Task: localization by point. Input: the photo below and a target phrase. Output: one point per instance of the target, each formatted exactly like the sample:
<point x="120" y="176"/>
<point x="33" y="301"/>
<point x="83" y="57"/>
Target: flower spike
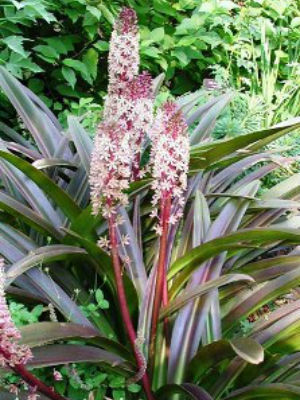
<point x="11" y="352"/>
<point x="110" y="168"/>
<point x="169" y="158"/>
<point x="123" y="58"/>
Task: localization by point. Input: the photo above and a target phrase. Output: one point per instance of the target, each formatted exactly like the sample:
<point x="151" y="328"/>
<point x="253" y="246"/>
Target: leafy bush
<point x="59" y="47"/>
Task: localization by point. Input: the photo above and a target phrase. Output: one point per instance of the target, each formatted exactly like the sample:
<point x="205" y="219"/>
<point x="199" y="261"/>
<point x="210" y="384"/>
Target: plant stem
<point x="36" y="383"/>
<point x="160" y="273"/>
<point x="140" y="361"/>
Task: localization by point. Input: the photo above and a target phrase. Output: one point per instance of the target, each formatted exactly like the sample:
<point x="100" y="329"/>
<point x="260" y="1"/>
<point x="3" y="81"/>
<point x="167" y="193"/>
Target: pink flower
<point x="123" y="55"/>
<point x="13" y="389"/>
<point x="132" y="107"/>
<point x="57" y="376"/>
<point x="110" y="168"/>
<point x="128" y="115"/>
<point x="11" y="353"/>
<point x="32" y="394"/>
<point x="169" y="157"/>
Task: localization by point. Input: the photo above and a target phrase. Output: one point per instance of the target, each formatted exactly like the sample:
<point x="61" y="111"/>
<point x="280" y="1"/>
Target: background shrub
<point x="59" y="47"/>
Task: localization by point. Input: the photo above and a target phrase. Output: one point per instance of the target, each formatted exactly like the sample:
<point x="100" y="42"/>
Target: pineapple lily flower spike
<point x="170" y="161"/>
<point x="12" y="354"/>
<point x="116" y="154"/>
<point x="130" y="95"/>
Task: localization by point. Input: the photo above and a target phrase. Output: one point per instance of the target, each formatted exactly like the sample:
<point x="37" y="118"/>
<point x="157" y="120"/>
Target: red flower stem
<point x="161" y="279"/>
<point x="165" y="301"/>
<point x="124" y="307"/>
<point x="34" y="382"/>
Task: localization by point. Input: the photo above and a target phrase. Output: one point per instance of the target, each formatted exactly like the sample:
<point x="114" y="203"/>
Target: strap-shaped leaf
<point x="246" y="237"/>
<point x="43" y="163"/>
<point x="189" y="390"/>
<point x="42" y="255"/>
<point x="209" y="117"/>
<point x="210" y="355"/>
<point x="275" y="391"/>
<point x="82" y="141"/>
<point x="271" y="290"/>
<point x="45" y="132"/>
<point x="198" y="291"/>
<point x="205" y="155"/>
<point x="248" y="349"/>
<point x="26" y="214"/>
<point x="61" y="198"/>
<point x="58" y="354"/>
<point x="41" y="333"/>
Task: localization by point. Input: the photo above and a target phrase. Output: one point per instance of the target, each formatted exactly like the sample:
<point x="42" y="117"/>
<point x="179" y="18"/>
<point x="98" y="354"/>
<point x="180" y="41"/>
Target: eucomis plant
<point x="178" y="234"/>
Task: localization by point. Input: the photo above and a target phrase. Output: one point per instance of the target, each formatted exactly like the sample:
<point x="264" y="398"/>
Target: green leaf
<point x="69" y="76"/>
<point x="229" y="5"/>
<point x="192" y="294"/>
<point x="90" y="60"/>
<point x="58" y="44"/>
<point x="101" y="45"/>
<point x="43" y="163"/>
<point x="41" y="255"/>
<point x="157" y="34"/>
<point x="60" y="197"/>
<point x="188" y="263"/>
<point x="94" y="11"/>
<point x="47" y="51"/>
<point x="99" y="296"/>
<point x="152" y="52"/>
<point x="248" y="349"/>
<point x="59" y="354"/>
<point x="204" y="155"/>
<point x="15" y="43"/>
<point x="33" y="219"/>
<point x="214" y="353"/>
<point x="76" y="65"/>
<point x="275" y="391"/>
<point x="106" y="13"/>
<point x="295" y="22"/>
<point x="186" y="389"/>
<point x="42" y="333"/>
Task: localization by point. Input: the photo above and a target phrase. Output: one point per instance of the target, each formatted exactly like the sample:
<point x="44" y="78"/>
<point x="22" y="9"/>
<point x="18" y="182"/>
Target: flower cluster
<point x="169" y="158"/>
<point x="132" y="107"/>
<point x="110" y="168"/>
<point x="11" y="353"/>
<point x="123" y="59"/>
<point x="128" y="115"/>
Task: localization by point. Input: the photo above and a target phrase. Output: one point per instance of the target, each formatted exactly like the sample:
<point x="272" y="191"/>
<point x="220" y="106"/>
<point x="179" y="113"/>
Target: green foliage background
<point x="59" y="47"/>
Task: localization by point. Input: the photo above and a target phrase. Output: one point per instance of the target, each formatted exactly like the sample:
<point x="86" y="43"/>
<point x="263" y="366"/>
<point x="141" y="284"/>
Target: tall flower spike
<point x="110" y="168"/>
<point x="133" y="109"/>
<point x="123" y="58"/>
<point x="11" y="353"/>
<point x="169" y="158"/>
<point x="130" y="97"/>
